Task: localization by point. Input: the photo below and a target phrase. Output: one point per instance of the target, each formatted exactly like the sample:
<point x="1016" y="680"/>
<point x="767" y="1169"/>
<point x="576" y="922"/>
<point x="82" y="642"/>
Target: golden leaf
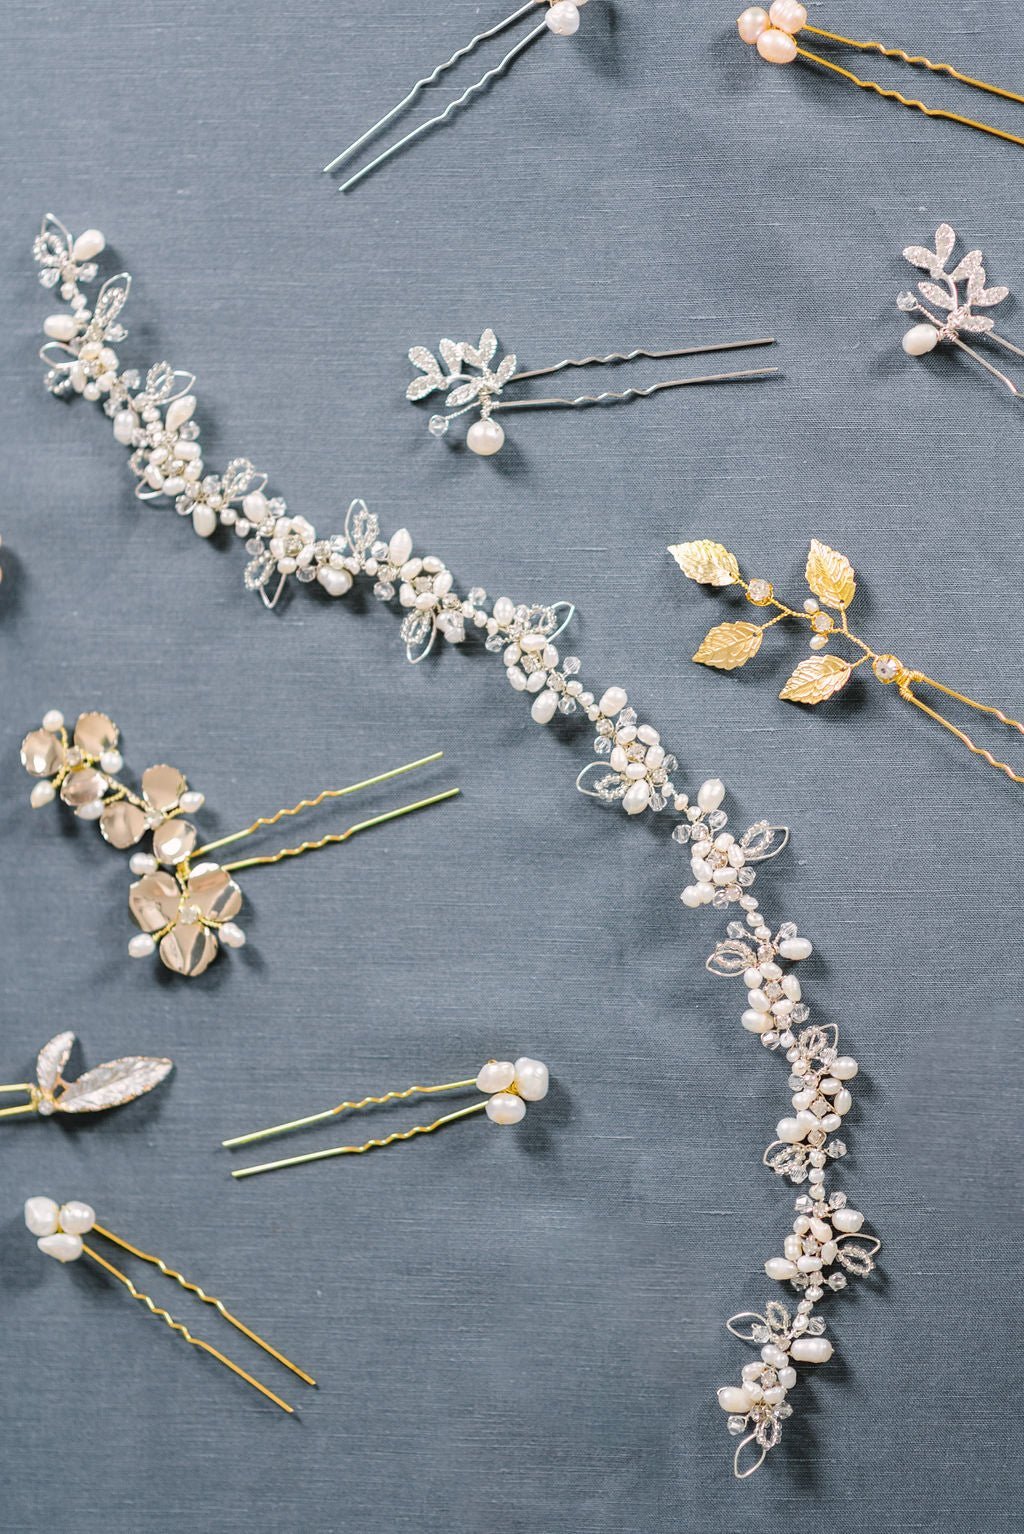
<point x="816" y="679"/>
<point x="709" y="563"/>
<point x="830" y="575"/>
<point x="730" y="645"/>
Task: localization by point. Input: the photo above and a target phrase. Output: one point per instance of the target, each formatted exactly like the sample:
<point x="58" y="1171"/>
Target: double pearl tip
<point x="513" y="1086"/>
<point x="59" y="1228"/>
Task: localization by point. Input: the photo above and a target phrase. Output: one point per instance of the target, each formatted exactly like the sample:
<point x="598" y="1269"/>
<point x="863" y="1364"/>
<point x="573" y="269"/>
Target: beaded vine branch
<point x="832" y="581"/>
<point x="631" y="768"/>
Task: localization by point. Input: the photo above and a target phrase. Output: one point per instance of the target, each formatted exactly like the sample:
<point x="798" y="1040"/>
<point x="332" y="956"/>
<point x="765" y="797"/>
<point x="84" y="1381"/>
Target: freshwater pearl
<point x="504" y="611"/>
<point x="400" y="547"/>
<point x="179" y="411"/>
<point x="563" y="18"/>
<point x="759" y="1001"/>
<point x="532" y="1079"/>
<point x="191" y="801"/>
<point x="791" y="986"/>
<point x="821" y="1230"/>
<point x="691" y="899"/>
<point x="41" y="1215"/>
<point x="811" y="1350"/>
<point x="503" y="1108"/>
<point x="43" y="793"/>
<point x="141" y="946"/>
<point x="90" y="811"/>
<point x="776" y="47"/>
<point x="809" y="1264"/>
<point x="845" y="1067"/>
<point x="64" y="1248"/>
<point x="142" y="863"/>
<point x="484" y="438"/>
<point x="613" y="701"/>
<point x="60" y="327"/>
<point x="636" y="799"/>
<point x="204" y="518"/>
<point x="788" y="15"/>
<point x="544" y="706"/>
<point x="920" y="340"/>
<point x="231" y="934"/>
<point x="516" y="678"/>
<point x="53" y="720"/>
<point x="88" y="245"/>
<point x="753" y="1022"/>
<point x="334" y="582"/>
<point x="710" y="795"/>
<point x="496" y="1075"/>
<point x="849" y="1221"/>
<point x="780" y="1268"/>
<point x="255" y="507"/>
<point x="752" y="23"/>
<point x="795" y="948"/>
<point x="773" y="1356"/>
<point x="536" y="681"/>
<point x="76" y="1218"/>
<point x="842" y="1102"/>
<point x="735" y="1399"/>
<point x="790" y="1131"/>
<point x="787" y="1378"/>
<point x="793" y="1248"/>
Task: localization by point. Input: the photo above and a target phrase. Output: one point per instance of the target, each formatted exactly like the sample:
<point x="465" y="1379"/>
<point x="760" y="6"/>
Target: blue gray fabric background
<point x="516" y="1329"/>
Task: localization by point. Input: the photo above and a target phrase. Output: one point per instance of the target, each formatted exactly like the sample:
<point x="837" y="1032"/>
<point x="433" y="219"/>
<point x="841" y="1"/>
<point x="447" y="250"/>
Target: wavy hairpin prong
<point x="562" y="17"/>
<point x="832" y="581"/>
<point x="59" y="1230"/>
<point x="104" y="1086"/>
<point x="951" y="312"/>
<point x="774" y="34"/>
<point x="509" y="1087"/>
<point x="465" y="371"/>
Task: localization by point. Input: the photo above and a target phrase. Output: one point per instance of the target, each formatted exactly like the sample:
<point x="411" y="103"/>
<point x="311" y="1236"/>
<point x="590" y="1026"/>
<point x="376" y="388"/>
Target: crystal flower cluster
<point x="632" y="769"/>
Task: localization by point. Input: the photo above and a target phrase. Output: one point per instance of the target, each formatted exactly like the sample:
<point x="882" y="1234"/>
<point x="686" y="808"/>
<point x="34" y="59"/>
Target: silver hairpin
<point x="956" y="316"/>
<point x="562" y="17"/>
<point x="481" y="389"/>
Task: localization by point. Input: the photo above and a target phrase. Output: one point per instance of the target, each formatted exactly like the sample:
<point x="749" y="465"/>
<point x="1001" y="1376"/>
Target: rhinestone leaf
<point x="52" y="1059"/>
<point x="115" y="1082"/>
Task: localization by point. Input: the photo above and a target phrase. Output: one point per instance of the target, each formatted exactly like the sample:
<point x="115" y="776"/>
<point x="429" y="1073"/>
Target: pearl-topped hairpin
<point x="774" y="33"/>
<point x="104" y="1086"/>
<point x="185" y="905"/>
<point x="467" y="373"/>
<point x="951" y="299"/>
<point x="562" y="17"/>
<point x="508" y="1086"/>
<point x="59" y="1230"/>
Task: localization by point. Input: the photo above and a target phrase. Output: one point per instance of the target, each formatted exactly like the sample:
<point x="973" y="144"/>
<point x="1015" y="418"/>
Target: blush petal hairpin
<point x="104" y="1086"/>
<point x="832" y="581"/>
<point x="774" y="33"/>
<point x="509" y="1087"/>
<point x="561" y="17"/>
<point x="184" y="904"/>
<point x="948" y="300"/>
<point x="467" y="374"/>
<point x="59" y="1230"/>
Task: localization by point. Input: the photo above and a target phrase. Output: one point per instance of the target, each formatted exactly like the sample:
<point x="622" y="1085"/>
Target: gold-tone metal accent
<point x="358" y="1150"/>
<point x="915" y="58"/>
<point x="341" y="836"/>
<point x="832" y="579"/>
<point x="31" y="1091"/>
<point x="346" y="1107"/>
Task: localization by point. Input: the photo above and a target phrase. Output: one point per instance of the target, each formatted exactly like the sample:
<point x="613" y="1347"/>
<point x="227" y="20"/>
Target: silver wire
<point x="641" y="351"/>
<point x="453" y="106"/>
<point x="431" y="79"/>
<point x="609" y="394"/>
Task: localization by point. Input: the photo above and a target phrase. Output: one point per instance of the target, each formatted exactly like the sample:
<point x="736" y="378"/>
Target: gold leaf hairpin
<point x="833" y="584"/>
<point x="105" y="1086"/>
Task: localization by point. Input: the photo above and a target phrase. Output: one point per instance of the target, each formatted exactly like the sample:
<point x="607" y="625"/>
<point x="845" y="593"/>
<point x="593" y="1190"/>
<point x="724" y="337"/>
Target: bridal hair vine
<point x="509" y="1087"/>
<point x="948" y="300"/>
<point x="59" y="1230"/>
<point x="184" y="904"/>
<point x="465" y="371"/>
<point x="632" y="769"/>
<point x="104" y="1086"/>
<point x="562" y="17"/>
<point x="774" y="33"/>
<point x="833" y="584"/>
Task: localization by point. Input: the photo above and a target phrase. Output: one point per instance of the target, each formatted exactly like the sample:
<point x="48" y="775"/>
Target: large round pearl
<point x="752" y="23"/>
<point x="532" y="1079"/>
<point x="788" y="15"/>
<point x="920" y="340"/>
<point x="485" y="437"/>
<point x="76" y="1218"/>
<point x="41" y="1215"/>
<point x="563" y="18"/>
<point x="503" y="1108"/>
<point x="776" y="47"/>
<point x="496" y="1075"/>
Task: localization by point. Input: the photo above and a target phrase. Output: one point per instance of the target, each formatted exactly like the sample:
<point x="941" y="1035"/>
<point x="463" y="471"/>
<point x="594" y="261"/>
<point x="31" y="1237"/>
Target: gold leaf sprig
<point x="832" y="581"/>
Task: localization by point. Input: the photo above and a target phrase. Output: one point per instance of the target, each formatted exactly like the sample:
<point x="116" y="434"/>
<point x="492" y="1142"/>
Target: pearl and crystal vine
<point x="635" y="771"/>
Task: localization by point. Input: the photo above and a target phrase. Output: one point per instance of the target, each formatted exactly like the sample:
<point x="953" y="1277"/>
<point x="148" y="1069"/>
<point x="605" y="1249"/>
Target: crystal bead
<point x="682" y="834"/>
<point x="737" y="1425"/>
<point x="602" y="745"/>
<point x="571" y="665"/>
<point x="788" y="929"/>
<point x="495" y="643"/>
<point x="477" y="595"/>
<point x="717" y="819"/>
<point x="437" y="425"/>
<point x="800" y="1013"/>
<point x="383" y="591"/>
<point x="836" y="1149"/>
<point x="837" y="1281"/>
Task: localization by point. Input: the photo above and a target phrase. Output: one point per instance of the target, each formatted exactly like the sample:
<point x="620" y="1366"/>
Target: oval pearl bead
<point x="532" y="1079"/>
<point x="503" y="1108"/>
<point x="636" y="798"/>
<point x="753" y="1022"/>
<point x="142" y="863"/>
<point x="204" y="519"/>
<point x="752" y="23"/>
<point x="335" y="582"/>
<point x="844" y="1068"/>
<point x="788" y="15"/>
<point x="790" y="1131"/>
<point x="920" y="340"/>
<point x="776" y="47"/>
<point x="179" y="411"/>
<point x="793" y="1248"/>
<point x="787" y="1378"/>
<point x="811" y="1350"/>
<point x="485" y="438"/>
<point x="691" y="899"/>
<point x="60" y="327"/>
<point x="780" y="1268"/>
<point x="563" y="18"/>
<point x="400" y="547"/>
<point x="76" y="1218"/>
<point x="735" y="1399"/>
<point x="847" y="1220"/>
<point x="89" y="244"/>
<point x="544" y="706"/>
<point x="232" y="935"/>
<point x="516" y="678"/>
<point x="124" y="425"/>
<point x="613" y="701"/>
<point x="842" y="1102"/>
<point x="42" y="793"/>
<point x="65" y="1248"/>
<point x="41" y="1215"/>
<point x="773" y="1356"/>
<point x="710" y="795"/>
<point x="795" y="948"/>
<point x="759" y="1001"/>
<point x="496" y="1075"/>
<point x="141" y="946"/>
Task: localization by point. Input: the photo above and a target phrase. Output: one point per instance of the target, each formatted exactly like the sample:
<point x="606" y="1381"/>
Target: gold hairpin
<point x="509" y="1087"/>
<point x="774" y="33"/>
<point x="185" y="914"/>
<point x="832" y="580"/>
<point x="105" y="1086"/>
<point x="59" y="1230"/>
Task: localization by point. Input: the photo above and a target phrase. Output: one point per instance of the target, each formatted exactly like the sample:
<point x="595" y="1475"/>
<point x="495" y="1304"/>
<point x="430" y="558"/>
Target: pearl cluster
<point x="772" y="31"/>
<point x="59" y="1227"/>
<point x="638" y="773"/>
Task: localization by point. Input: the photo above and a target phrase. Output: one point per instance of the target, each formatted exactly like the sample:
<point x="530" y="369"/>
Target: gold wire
<point x="181" y="1329"/>
<point x="916" y="58"/>
<point x="330" y="1113"/>
<point x="208" y="1299"/>
<point x="358" y="1150"/>
<point x="32" y="1106"/>
<point x="905" y="686"/>
<point x="907" y="101"/>
<point x="337" y="839"/>
<point x="310" y="804"/>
